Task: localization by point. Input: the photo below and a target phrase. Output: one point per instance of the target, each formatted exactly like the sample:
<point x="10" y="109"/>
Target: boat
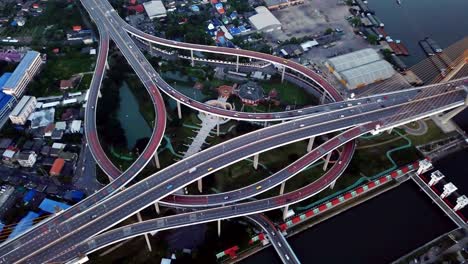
<point x="398" y="2"/>
<point x="435" y="47"/>
<point x="426" y="47"/>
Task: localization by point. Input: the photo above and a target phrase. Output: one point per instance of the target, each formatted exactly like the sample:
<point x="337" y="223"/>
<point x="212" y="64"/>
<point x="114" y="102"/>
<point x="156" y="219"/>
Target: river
<point x="378" y="231"/>
<point x="130" y="118"/>
<point x="444" y="21"/>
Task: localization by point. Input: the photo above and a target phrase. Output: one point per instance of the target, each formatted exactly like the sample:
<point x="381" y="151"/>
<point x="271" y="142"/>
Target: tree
<point x="328" y="31"/>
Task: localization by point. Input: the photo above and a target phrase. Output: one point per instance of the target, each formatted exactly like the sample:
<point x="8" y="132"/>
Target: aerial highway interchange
<point x="74" y="232"/>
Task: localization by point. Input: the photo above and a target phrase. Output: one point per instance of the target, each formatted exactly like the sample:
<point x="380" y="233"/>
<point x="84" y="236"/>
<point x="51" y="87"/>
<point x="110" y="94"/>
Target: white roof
<point x="75" y="126"/>
<point x="154" y="9"/>
<point x="51" y="104"/>
<point x="165" y="261"/>
<point x="309" y="44"/>
<point x="368" y="73"/>
<point x="353" y="59"/>
<point x="9" y="153"/>
<point x="58" y="145"/>
<point x="69" y="101"/>
<point x="263" y="19"/>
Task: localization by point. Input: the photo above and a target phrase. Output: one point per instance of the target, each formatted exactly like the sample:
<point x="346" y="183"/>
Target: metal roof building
<point x="155" y="9"/>
<point x="6" y="101"/>
<point x="360" y="68"/>
<point x="367" y="73"/>
<point x="264" y="20"/>
<point x="23" y="74"/>
<point x="353" y="59"/>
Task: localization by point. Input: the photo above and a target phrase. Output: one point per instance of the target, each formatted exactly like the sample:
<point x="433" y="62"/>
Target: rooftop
<point x="251" y="91"/>
<point x="27" y="60"/>
<point x="353" y="59"/>
<point x="25" y="100"/>
<point x="155" y="8"/>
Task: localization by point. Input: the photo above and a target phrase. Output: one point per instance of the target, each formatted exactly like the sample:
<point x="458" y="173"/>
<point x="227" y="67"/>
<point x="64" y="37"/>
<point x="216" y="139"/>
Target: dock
<point x="437" y="200"/>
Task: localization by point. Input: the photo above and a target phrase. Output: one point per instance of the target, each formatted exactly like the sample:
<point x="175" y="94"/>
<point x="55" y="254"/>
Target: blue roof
<point x="4" y="78"/>
<point x="29" y="195"/>
<point x="21" y="68"/>
<point x="1" y="226"/>
<point x="195" y="8"/>
<point x="234" y="31"/>
<point x="4" y="98"/>
<point x="49" y="205"/>
<point x="25" y="223"/>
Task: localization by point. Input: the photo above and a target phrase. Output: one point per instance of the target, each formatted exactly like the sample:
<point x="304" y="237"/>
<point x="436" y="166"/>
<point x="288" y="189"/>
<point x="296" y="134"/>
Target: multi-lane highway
<point x="277" y="239"/>
<point x="116" y="208"/>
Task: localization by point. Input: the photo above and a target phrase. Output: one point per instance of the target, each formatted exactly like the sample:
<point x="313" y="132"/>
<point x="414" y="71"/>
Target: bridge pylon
<point x="445" y="118"/>
<point x="462" y="201"/>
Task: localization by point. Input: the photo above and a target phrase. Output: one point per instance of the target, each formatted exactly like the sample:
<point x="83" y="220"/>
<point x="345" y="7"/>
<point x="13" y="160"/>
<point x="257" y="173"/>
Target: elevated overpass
<point x="392" y="111"/>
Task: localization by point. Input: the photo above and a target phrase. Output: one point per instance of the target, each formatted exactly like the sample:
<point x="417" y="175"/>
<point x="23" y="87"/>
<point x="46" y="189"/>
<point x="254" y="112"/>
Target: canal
<point x="377" y="231"/>
<point x="130" y="118"/>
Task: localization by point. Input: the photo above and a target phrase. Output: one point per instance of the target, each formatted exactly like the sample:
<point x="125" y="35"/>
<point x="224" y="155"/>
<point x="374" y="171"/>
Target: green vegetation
<point x="50" y="27"/>
<point x="289" y="93"/>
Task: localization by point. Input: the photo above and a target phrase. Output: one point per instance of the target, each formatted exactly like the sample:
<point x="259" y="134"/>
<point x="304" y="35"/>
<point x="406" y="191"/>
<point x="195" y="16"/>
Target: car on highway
<point x="279" y="244"/>
<point x="210" y="168"/>
<point x="93" y="216"/>
<point x="301" y="125"/>
<point x="169" y="187"/>
<point x="226" y="197"/>
<point x="287" y="257"/>
<point x="258" y="187"/>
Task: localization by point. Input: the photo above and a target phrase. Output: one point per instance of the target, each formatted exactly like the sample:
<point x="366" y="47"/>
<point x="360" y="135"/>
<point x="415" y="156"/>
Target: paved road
<point x="276" y="238"/>
<point x="138" y="196"/>
<point x="182" y="178"/>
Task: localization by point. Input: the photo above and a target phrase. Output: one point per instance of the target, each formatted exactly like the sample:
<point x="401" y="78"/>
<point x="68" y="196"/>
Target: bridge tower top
<point x="449" y="188"/>
<point x="462" y="201"/>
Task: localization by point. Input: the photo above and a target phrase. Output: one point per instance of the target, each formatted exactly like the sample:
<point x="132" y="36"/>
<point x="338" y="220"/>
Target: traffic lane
<point x="276" y="238"/>
<point x="201" y="216"/>
<point x="101" y="208"/>
<point x="114" y="215"/>
<point x="271" y="181"/>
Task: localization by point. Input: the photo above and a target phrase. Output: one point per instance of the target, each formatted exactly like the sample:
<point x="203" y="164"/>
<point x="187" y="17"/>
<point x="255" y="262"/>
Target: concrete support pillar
<point x="179" y="110"/>
<point x="200" y="185"/>
<point x="265" y="124"/>
<point x="332" y="185"/>
<point x="99" y="94"/>
<point x="156" y="160"/>
<point x="237" y="63"/>
<point x="390" y="130"/>
<point x="285" y="212"/>
<point x="150" y="45"/>
<point x="324" y="96"/>
<point x="156" y="206"/>
<point x="282" y="74"/>
<point x="107" y="65"/>
<point x="219" y="228"/>
<point x="445" y="118"/>
<point x="311" y="144"/>
<point x="191" y="56"/>
<point x="327" y="160"/>
<point x="217" y="126"/>
<point x="282" y="187"/>
<point x="146" y="235"/>
<point x="255" y="163"/>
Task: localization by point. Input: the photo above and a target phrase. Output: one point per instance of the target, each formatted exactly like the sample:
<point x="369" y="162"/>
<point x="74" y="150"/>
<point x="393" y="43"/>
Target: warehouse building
<point x="23" y="74"/>
<point x="351" y="60"/>
<point x="7" y="102"/>
<point x="264" y="20"/>
<point x="23" y="109"/>
<point x="360" y="68"/>
<point x="155" y="9"/>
